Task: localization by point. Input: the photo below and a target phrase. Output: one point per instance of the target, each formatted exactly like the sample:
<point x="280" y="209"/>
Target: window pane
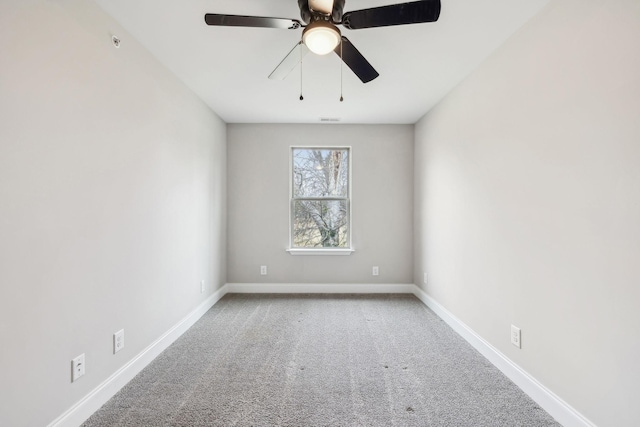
<point x="320" y="173"/>
<point x="319" y="223"/>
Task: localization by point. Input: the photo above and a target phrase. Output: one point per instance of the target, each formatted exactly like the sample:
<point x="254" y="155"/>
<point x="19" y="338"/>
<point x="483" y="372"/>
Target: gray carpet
<point x="320" y="360"/>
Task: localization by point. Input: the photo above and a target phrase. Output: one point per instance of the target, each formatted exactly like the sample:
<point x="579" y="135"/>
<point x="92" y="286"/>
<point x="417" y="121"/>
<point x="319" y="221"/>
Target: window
<point x="320" y="205"/>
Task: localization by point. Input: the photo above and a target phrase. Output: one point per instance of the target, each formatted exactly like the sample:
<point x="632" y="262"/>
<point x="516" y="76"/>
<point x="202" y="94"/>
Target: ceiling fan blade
<point x="396" y="14"/>
<point x="289" y="62"/>
<point x="354" y="59"/>
<point x="251" y="21"/>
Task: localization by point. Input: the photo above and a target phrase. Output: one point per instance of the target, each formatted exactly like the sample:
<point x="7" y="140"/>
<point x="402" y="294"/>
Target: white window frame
<point x="321" y="251"/>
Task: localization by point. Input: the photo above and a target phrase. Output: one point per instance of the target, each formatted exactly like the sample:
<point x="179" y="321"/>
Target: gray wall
<point x="258" y="204"/>
<point x="112" y="203"/>
<point x="527" y="203"/>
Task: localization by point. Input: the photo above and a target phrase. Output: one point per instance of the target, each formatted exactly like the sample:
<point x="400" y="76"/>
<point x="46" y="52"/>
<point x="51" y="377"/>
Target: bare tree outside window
<point x="320" y="198"/>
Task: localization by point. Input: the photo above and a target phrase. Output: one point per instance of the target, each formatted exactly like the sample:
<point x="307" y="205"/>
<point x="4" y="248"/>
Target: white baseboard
<point x="83" y="409"/>
<point x="318" y="288"/>
<point x="555" y="406"/>
<point x="549" y="401"/>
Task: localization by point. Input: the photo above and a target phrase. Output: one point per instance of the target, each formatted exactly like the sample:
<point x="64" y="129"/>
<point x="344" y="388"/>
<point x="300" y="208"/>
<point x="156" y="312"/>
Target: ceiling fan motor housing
<point x="309" y="16"/>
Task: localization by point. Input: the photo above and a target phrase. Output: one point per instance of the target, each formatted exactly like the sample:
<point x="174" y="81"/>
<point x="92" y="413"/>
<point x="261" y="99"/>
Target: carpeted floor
<point x="320" y="360"/>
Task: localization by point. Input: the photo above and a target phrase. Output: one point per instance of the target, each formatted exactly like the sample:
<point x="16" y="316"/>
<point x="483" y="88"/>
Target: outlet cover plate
<point x="77" y="367"/>
<point x="516" y="336"/>
<point x="263" y="270"/>
<point x="118" y="341"/>
<point x="375" y="271"/>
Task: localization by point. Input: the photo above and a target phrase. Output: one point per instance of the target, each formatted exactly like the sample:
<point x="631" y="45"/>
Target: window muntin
<point x="320" y="191"/>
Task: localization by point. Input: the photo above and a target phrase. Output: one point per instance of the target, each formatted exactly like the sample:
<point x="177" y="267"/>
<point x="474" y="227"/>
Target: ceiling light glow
<point x="321" y="37"/>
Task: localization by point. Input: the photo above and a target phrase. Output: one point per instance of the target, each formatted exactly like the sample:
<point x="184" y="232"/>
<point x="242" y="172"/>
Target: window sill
<point x="299" y="251"/>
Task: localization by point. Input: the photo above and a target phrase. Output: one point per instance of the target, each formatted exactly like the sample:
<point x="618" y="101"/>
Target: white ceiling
<point x="228" y="67"/>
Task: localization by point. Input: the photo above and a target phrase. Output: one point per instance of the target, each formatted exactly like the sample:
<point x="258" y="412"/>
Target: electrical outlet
<point x="426" y="278"/>
<point x="201" y="286"/>
<point x="375" y="271"/>
<point x="516" y="336"/>
<point x="263" y="270"/>
<point x="77" y="367"/>
<point x="118" y="341"/>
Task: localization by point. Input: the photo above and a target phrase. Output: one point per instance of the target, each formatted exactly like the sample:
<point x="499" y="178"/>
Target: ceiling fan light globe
<point x="321" y="37"/>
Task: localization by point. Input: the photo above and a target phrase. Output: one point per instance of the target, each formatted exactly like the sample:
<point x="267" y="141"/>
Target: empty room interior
<point x="147" y="174"/>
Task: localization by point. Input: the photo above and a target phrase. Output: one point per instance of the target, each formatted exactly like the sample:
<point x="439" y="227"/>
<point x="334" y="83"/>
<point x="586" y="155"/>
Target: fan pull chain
<point x="341" y="62"/>
<point x="301" y="97"/>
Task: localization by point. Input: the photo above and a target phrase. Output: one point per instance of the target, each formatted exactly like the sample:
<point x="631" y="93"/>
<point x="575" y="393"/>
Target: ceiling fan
<point x="321" y="36"/>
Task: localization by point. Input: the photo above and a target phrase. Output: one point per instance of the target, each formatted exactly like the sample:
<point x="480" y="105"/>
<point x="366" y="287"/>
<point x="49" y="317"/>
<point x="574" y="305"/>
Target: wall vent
<point x="329" y="119"/>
